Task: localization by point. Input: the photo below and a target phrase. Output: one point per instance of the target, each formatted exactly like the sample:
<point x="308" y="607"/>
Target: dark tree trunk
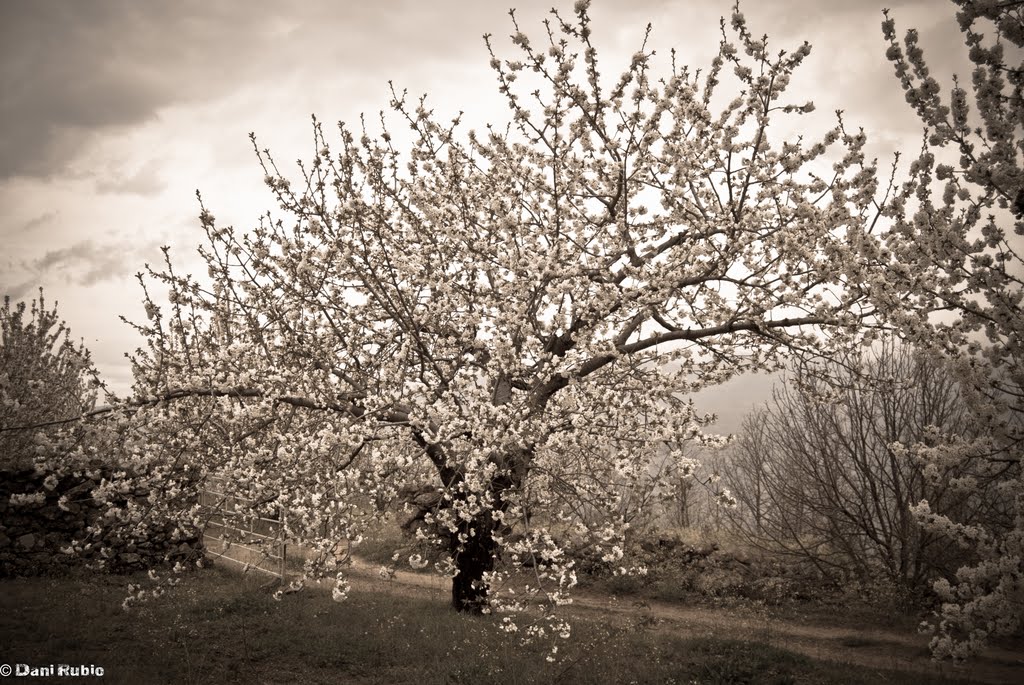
<point x="472" y="558"/>
<point x="472" y="548"/>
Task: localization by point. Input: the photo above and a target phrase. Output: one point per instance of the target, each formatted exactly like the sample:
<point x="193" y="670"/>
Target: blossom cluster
<point x="963" y="259"/>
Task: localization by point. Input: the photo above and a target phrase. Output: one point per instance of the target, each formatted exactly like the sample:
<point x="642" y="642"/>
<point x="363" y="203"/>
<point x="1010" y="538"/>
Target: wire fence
<point x="233" y="533"/>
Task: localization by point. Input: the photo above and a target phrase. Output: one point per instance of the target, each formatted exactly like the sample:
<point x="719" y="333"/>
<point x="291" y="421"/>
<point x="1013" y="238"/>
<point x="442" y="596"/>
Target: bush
<point x="676" y="568"/>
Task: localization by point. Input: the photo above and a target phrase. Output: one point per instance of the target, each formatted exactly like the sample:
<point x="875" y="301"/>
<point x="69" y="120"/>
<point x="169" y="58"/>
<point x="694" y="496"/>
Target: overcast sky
<point x="113" y="112"/>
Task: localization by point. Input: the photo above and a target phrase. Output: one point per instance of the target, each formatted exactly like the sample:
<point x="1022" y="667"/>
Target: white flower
<point x="19" y="499"/>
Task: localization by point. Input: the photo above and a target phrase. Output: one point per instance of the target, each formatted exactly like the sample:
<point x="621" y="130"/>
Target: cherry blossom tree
<point x="960" y="253"/>
<point x="44" y="376"/>
<point x="510" y="317"/>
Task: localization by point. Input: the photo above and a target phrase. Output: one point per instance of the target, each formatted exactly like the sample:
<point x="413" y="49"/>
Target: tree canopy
<point x="510" y="319"/>
<point x="516" y="315"/>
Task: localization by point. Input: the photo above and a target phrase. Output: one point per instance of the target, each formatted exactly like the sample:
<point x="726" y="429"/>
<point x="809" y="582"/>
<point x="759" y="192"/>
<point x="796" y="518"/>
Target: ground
<point x="223" y="628"/>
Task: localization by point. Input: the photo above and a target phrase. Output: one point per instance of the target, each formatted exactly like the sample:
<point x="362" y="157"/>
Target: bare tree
<point x="817" y="476"/>
<point x="748" y="467"/>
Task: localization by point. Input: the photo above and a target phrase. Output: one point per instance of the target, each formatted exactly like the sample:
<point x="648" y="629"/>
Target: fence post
<point x="284" y="545"/>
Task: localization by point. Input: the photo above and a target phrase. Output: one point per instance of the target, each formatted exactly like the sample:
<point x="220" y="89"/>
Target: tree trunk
<point x="472" y="558"/>
<point x="472" y="548"/>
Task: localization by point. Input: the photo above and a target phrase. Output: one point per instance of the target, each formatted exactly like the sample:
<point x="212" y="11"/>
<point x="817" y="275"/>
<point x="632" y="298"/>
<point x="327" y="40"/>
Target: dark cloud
<point x="43" y="219"/>
<point x="84" y="264"/>
<point x="71" y="69"/>
<point x="18" y="291"/>
<point x="144" y="181"/>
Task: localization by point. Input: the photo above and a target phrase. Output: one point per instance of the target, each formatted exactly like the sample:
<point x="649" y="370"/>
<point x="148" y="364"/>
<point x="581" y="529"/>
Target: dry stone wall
<point x="42" y="515"/>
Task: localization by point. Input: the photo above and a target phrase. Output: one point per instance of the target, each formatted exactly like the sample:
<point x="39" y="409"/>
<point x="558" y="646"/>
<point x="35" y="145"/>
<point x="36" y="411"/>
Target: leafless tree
<point x="817" y="473"/>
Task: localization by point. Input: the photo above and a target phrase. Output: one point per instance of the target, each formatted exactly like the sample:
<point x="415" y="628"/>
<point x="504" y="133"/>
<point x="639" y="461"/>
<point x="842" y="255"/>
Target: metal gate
<point x="231" y="533"/>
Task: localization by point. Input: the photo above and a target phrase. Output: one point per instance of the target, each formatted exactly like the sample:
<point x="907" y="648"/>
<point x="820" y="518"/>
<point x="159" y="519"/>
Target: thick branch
<point x="398" y="414"/>
<point x="556" y="383"/>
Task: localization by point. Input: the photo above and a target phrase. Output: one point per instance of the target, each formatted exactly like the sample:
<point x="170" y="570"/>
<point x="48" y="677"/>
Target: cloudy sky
<point x="113" y="112"/>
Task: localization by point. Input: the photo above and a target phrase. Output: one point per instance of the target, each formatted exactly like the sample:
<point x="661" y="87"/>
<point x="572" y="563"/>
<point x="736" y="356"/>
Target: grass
<point x="220" y="628"/>
<point x="386" y="538"/>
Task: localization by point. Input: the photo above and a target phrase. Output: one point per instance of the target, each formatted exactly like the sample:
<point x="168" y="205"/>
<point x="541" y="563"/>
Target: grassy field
<point x="222" y="628"/>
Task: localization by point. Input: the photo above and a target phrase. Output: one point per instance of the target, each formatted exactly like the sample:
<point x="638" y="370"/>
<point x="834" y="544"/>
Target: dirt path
<point x="870" y="648"/>
<point x="865" y="647"/>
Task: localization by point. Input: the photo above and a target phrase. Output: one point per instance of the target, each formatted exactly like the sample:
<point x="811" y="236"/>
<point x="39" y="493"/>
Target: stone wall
<point x="48" y="513"/>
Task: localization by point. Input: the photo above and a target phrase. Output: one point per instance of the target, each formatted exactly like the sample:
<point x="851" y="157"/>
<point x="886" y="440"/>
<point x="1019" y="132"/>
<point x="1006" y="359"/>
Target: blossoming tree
<point x="956" y="253"/>
<point x="44" y="376"/>
<point x="510" y="317"/>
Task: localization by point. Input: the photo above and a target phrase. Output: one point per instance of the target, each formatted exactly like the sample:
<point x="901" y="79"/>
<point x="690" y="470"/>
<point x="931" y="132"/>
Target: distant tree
<point x="961" y="253"/>
<point x="749" y="459"/>
<point x="44" y="376"/>
<point x="817" y="477"/>
<point x="679" y="484"/>
<point x="510" y="317"/>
